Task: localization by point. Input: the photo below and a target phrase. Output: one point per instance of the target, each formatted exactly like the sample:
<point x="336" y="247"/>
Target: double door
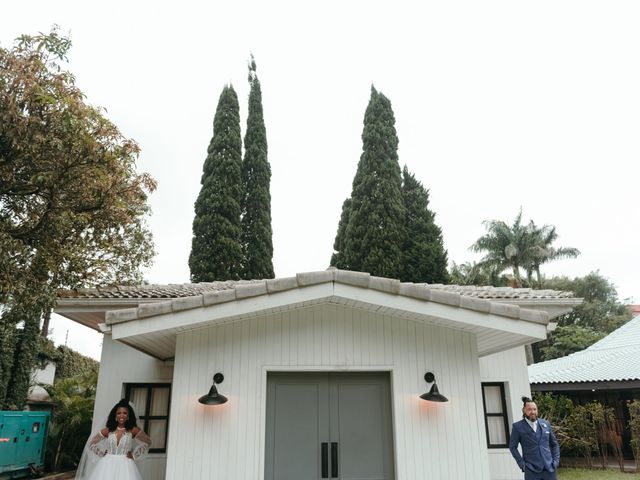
<point x="329" y="425"/>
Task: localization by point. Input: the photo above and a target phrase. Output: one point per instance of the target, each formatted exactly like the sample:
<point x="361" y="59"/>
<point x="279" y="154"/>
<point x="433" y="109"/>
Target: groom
<point x="540" y="450"/>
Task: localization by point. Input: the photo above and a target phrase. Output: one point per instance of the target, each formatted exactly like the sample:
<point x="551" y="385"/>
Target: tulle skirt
<point x="115" y="467"/>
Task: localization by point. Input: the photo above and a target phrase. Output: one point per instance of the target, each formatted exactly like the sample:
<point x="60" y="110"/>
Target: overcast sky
<point x="498" y="105"/>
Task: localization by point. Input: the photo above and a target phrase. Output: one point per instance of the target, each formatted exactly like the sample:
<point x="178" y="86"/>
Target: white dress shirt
<point x="533" y="425"/>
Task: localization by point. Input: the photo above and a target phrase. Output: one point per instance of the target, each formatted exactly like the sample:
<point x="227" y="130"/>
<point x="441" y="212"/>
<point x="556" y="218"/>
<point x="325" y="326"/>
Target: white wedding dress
<point x="110" y="459"/>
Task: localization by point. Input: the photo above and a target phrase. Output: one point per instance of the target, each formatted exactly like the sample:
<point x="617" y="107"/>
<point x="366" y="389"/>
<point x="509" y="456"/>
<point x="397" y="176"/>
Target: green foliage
<point x="601" y="310"/>
<point x="74" y="398"/>
<point x="600" y="314"/>
<point x="634" y="429"/>
<point x="375" y="231"/>
<point x="582" y="430"/>
<point x="505" y="246"/>
<point x="386" y="227"/>
<point x="8" y="341"/>
<point x="72" y="364"/>
<point x="472" y="273"/>
<point x="337" y="258"/>
<point x="553" y="407"/>
<point x="424" y="259"/>
<point x="257" y="243"/>
<point x="216" y="252"/>
<point x="568" y="339"/>
<point x="543" y="250"/>
<point x="25" y="355"/>
<point x="519" y="246"/>
<point x="72" y="207"/>
<point x="47" y="352"/>
<point x="581" y="433"/>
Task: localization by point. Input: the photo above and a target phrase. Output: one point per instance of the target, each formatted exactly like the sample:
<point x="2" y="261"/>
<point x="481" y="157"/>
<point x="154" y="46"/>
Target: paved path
<point x="60" y="476"/>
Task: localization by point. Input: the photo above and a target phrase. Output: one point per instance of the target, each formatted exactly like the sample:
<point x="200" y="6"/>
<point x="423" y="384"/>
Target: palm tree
<point x="71" y="424"/>
<point x="506" y="246"/>
<point x="543" y="250"/>
<point x="471" y="273"/>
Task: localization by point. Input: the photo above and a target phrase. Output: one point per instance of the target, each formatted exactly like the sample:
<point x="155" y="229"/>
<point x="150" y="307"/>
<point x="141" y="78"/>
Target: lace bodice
<point x="115" y="447"/>
<point x="110" y="445"/>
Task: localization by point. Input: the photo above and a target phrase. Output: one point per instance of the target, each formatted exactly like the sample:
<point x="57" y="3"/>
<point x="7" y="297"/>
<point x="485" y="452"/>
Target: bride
<point x="110" y="453"/>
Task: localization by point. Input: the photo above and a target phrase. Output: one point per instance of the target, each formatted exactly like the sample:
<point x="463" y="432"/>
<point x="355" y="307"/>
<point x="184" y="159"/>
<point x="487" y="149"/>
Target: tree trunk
<point x="45" y="324"/>
<point x="58" y="450"/>
<point x="539" y="276"/>
<point x="516" y="275"/>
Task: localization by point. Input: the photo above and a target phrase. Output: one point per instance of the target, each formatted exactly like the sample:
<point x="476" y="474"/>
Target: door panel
<point x="350" y="413"/>
<point x="297" y="424"/>
<point x="361" y="425"/>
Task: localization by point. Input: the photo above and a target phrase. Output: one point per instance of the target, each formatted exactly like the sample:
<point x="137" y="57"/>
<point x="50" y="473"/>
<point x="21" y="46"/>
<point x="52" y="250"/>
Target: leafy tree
<point x="374" y="233"/>
<point x="257" y="243"/>
<point x="569" y="339"/>
<point x="424" y="258"/>
<point x="72" y="207"/>
<point x="506" y="246"/>
<point x="543" y="250"/>
<point x="601" y="309"/>
<point x="599" y="314"/>
<point x="553" y="407"/>
<point x="216" y="252"/>
<point x="71" y="364"/>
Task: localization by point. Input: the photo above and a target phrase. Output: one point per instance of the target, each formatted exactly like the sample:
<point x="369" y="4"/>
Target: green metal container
<point x="23" y="436"/>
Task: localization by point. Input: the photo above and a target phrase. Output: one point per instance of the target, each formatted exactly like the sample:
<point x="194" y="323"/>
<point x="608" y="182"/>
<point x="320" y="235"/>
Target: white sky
<point x="498" y="104"/>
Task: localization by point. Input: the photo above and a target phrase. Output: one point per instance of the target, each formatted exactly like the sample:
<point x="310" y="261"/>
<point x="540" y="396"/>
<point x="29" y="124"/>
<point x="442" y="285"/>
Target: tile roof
<point x="190" y="289"/>
<point x="490" y="292"/>
<point x="222" y="292"/>
<point x="614" y="358"/>
<point x="169" y="291"/>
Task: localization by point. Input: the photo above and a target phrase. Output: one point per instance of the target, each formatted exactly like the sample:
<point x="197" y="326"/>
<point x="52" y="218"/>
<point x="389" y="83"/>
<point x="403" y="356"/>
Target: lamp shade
<point x="213" y="397"/>
<point x="433" y="395"/>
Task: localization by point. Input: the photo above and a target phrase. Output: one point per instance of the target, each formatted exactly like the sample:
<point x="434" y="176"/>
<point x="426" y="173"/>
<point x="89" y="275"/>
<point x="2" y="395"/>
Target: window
<point x="495" y="415"/>
<point x="151" y="404"/>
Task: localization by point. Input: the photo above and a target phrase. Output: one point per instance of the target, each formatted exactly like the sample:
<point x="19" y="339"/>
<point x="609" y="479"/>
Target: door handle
<point x="334" y="459"/>
<point x="324" y="449"/>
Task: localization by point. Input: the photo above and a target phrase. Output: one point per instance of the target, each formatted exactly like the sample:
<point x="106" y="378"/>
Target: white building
<point x="323" y="373"/>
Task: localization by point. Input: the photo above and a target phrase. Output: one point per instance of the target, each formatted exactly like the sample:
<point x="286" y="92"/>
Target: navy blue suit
<point x="540" y="450"/>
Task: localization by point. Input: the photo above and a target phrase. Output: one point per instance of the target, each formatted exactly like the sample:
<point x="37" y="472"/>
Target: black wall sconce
<point x="213" y="397"/>
<point x="433" y="395"/>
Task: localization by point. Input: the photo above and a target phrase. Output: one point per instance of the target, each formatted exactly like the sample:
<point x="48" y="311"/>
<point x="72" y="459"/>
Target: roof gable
<point x="256" y="288"/>
<point x="151" y="324"/>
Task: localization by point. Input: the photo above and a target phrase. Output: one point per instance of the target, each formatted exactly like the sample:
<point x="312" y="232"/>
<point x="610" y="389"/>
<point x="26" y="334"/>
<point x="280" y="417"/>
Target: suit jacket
<point x="540" y="449"/>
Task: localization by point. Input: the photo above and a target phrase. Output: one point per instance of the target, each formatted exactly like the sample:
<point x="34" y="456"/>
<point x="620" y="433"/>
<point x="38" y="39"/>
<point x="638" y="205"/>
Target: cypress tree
<point x="216" y="252"/>
<point x="337" y="259"/>
<point x="374" y="232"/>
<point x="257" y="243"/>
<point x="424" y="259"/>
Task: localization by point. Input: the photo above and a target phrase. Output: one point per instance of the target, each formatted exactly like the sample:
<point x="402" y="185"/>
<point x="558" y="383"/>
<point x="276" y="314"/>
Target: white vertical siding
<point x="435" y="441"/>
<point x="120" y="364"/>
<point x="509" y="367"/>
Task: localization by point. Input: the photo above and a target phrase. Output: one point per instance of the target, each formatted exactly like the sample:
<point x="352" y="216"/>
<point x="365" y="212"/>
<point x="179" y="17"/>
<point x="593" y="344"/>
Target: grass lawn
<point x="581" y="474"/>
